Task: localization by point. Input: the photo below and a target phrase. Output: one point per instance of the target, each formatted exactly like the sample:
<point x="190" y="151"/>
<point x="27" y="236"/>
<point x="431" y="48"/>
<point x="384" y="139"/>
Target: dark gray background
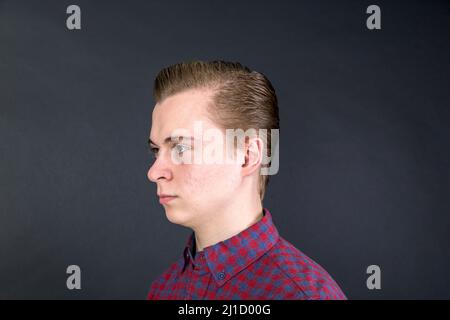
<point x="364" y="152"/>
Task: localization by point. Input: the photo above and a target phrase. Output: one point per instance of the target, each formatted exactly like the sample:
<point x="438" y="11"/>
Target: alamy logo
<point x="212" y="146"/>
<point x="74" y="280"/>
<point x="374" y="20"/>
<point x="73" y="21"/>
<point x="374" y="281"/>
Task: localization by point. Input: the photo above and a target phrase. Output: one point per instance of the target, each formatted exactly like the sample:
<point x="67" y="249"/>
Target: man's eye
<point x="154" y="152"/>
<point x="180" y="148"/>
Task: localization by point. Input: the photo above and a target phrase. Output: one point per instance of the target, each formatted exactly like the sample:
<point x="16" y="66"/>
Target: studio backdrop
<point x="363" y="184"/>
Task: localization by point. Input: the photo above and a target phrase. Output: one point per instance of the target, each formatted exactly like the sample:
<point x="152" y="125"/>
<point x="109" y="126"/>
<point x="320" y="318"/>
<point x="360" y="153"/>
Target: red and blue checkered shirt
<point x="255" y="264"/>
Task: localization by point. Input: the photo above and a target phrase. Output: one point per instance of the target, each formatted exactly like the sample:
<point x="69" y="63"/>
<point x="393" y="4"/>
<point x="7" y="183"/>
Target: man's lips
<point x="164" y="198"/>
<point x="162" y="195"/>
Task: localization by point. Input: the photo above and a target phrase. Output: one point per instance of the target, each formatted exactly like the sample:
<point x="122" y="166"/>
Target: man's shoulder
<point x="171" y="271"/>
<point x="306" y="278"/>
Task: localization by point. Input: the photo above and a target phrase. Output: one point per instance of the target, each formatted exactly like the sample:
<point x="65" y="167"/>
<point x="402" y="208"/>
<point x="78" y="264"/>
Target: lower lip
<point x="164" y="200"/>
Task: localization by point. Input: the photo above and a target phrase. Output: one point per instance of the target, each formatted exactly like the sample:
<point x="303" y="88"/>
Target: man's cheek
<point x="195" y="183"/>
<point x="223" y="179"/>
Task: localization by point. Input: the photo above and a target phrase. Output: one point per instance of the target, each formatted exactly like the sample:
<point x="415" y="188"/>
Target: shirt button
<point x="221" y="275"/>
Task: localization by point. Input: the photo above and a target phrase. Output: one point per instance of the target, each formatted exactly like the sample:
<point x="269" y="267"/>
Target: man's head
<point x="219" y="96"/>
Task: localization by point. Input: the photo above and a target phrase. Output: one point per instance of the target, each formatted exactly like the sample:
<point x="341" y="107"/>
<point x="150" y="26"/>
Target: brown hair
<point x="242" y="98"/>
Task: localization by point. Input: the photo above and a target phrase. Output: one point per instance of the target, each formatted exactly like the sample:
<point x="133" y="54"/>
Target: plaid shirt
<point x="255" y="264"/>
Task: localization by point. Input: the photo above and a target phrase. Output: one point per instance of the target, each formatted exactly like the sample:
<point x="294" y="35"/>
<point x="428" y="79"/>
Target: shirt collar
<point x="227" y="258"/>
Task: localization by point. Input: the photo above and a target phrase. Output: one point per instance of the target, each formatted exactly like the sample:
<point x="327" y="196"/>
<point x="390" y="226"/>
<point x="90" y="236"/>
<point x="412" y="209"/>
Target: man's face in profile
<point x="201" y="189"/>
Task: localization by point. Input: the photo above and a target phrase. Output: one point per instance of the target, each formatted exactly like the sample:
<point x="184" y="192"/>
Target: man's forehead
<point x="182" y="111"/>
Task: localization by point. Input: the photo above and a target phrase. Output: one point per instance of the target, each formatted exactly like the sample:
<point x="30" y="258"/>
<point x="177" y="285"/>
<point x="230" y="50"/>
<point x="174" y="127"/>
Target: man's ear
<point x="253" y="155"/>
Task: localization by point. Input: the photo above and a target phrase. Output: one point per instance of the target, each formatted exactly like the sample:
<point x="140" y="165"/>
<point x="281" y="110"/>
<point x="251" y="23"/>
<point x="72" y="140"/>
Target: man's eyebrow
<point x="170" y="139"/>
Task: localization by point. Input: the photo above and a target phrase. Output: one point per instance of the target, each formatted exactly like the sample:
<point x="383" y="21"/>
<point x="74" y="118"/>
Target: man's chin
<point x="176" y="216"/>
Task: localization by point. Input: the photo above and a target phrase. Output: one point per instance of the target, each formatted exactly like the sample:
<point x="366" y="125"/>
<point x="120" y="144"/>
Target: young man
<point x="216" y="188"/>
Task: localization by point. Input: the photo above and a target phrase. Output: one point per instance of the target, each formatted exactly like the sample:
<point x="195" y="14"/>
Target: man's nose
<point x="161" y="168"/>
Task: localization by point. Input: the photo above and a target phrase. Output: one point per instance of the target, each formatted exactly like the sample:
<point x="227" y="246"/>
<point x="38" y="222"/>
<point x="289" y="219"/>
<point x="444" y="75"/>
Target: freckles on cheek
<point x="194" y="181"/>
<point x="203" y="180"/>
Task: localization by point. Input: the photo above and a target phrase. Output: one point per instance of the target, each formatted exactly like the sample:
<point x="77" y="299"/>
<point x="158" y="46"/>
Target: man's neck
<point x="225" y="226"/>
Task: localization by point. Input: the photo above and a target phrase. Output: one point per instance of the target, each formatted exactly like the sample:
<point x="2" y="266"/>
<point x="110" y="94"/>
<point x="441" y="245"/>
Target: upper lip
<point x="161" y="195"/>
